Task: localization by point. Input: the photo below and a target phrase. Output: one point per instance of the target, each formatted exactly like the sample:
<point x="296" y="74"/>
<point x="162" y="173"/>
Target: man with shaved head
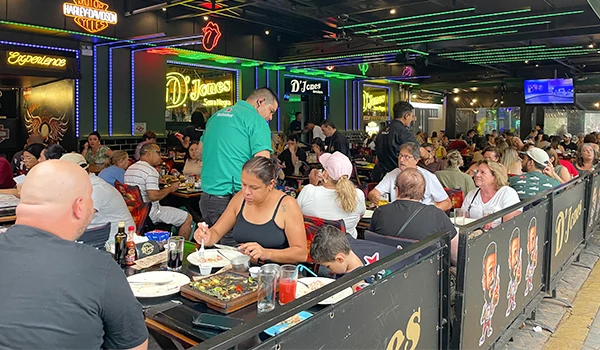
<point x="55" y="293"/>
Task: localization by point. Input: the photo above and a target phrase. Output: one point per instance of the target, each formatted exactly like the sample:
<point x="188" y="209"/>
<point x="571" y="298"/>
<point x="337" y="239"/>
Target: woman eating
<point x="31" y="155"/>
<point x="95" y="153"/>
<point x="512" y="162"/>
<point x="267" y="222"/>
<point x="586" y="159"/>
<point x="117" y="164"/>
<point x="331" y="195"/>
<point x="493" y="194"/>
<point x="193" y="161"/>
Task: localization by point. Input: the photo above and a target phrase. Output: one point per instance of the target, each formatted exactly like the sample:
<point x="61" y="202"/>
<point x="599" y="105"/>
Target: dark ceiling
<point x="449" y="42"/>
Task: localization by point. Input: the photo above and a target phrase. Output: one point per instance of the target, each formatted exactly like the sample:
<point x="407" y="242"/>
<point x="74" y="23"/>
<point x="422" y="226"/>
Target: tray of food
<point x="225" y="292"/>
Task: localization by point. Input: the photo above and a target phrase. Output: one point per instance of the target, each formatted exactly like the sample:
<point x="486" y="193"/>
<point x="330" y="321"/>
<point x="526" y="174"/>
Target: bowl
<point x="254" y="271"/>
<point x="205" y="269"/>
<point x="240" y="263"/>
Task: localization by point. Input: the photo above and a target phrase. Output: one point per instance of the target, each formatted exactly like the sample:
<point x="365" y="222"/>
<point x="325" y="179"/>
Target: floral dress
<point x="99" y="158"/>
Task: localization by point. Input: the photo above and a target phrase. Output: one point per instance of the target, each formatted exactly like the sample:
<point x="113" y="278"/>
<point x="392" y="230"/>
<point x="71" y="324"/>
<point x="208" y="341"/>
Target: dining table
<point x="7" y="215"/>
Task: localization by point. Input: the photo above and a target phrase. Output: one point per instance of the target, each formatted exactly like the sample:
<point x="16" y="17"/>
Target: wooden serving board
<point x="222" y="306"/>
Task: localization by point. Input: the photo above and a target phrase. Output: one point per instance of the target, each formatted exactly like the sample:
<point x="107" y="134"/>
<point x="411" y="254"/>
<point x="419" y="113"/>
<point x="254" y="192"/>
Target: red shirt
<point x="457" y="145"/>
<point x="6" y="176"/>
<point x="570" y="167"/>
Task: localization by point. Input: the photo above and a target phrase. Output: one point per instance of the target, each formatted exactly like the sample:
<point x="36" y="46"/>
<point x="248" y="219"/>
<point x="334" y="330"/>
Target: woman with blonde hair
<point x="440" y="151"/>
<point x="115" y="167"/>
<point x="512" y="162"/>
<point x="493" y="194"/>
<point x="331" y="195"/>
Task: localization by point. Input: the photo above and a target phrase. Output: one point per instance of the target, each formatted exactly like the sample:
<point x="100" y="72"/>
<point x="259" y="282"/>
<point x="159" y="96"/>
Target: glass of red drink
<point x="287" y="284"/>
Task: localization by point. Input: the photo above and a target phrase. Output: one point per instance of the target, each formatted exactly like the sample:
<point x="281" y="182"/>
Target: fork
<point x="158" y="283"/>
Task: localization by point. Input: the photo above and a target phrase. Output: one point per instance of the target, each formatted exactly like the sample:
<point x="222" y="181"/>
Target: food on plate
<point x="226" y="286"/>
<point x="311" y="287"/>
<point x="294" y="320"/>
<point x="211" y="259"/>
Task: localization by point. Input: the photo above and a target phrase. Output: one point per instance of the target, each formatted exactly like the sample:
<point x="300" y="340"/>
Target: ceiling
<point x="449" y="42"/>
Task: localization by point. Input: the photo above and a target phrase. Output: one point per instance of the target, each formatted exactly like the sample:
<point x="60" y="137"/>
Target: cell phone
<point x="178" y="134"/>
<point x="221" y="323"/>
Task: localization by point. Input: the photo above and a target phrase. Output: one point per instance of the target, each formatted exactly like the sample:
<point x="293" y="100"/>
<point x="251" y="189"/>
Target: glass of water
<point x="268" y="278"/>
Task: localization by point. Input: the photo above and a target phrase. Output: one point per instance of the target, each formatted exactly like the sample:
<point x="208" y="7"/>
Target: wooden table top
<point x="186" y="194"/>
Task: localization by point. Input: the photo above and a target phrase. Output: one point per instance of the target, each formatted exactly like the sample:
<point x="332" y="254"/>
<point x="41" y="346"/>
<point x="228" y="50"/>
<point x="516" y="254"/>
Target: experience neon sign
<point x="212" y="34"/>
<point x="15" y="58"/>
<point x="91" y="15"/>
<point x="181" y="87"/>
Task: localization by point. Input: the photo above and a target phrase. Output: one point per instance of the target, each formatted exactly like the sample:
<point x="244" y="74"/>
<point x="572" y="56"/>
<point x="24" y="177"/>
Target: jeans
<point x="212" y="207"/>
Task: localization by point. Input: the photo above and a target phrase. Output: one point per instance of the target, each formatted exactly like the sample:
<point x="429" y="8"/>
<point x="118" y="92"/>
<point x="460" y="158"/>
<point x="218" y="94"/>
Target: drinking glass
<point x="191" y="181"/>
<point x="460" y="216"/>
<point x="268" y="277"/>
<point x="383" y="200"/>
<point x="287" y="284"/>
<point x="175" y="253"/>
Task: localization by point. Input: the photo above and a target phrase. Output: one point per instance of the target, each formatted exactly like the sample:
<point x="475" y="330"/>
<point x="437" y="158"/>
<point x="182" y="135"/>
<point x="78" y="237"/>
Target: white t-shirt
<point x="318" y="132"/>
<point x="504" y="198"/>
<point x="434" y="191"/>
<point x="321" y="202"/>
<point x="110" y="206"/>
<point x="143" y="175"/>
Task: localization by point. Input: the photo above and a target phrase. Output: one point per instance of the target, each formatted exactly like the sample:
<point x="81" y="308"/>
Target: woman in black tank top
<point x="268" y="223"/>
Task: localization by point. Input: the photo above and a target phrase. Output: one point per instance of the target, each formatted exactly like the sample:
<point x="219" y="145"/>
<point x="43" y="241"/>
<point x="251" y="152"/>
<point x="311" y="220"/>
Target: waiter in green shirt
<point x="233" y="136"/>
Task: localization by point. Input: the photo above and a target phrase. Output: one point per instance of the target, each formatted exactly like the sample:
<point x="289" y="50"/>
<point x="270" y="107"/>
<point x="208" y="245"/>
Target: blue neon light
<point x="346" y="102"/>
<point x="268" y="78"/>
<point x="278" y="109"/>
<point x="110" y="91"/>
<point x="95" y="88"/>
<point x="132" y="93"/>
<point x="256" y="77"/>
<point x="77" y="100"/>
<point x="3" y="42"/>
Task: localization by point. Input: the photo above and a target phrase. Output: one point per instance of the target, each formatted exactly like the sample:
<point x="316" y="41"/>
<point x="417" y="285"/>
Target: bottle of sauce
<point x="120" y="244"/>
<point x="130" y="247"/>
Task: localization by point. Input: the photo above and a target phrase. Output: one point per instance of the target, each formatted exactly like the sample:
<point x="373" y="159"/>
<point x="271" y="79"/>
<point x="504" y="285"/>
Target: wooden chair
<point x="397" y="242"/>
<point x="138" y="209"/>
<point x="96" y="237"/>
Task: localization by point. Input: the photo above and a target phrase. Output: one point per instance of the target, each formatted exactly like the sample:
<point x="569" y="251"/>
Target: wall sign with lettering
<point x="299" y="86"/>
<point x="32" y="60"/>
<point x="375" y="103"/>
<point x="91" y="15"/>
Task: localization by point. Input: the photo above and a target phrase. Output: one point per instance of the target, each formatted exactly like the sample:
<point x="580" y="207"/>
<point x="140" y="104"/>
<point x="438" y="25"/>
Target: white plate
<point x="151" y="290"/>
<point x="302" y="290"/>
<point x="224" y="257"/>
<point x="368" y="214"/>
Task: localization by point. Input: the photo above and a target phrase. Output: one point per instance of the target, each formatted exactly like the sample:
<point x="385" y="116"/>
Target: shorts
<point x="167" y="215"/>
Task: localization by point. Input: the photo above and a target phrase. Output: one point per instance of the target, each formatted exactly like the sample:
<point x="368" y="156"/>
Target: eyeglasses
<point x="406" y="156"/>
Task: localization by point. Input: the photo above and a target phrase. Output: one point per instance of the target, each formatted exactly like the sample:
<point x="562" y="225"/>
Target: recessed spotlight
<point x="472" y="103"/>
<point x="474" y="88"/>
<point x="501" y="102"/>
<point x="456" y="99"/>
<point x="596" y="104"/>
<point x="267" y="32"/>
<point x="537" y="65"/>
<point x="164" y="9"/>
<point x="591" y="45"/>
<point x="393" y="11"/>
<point x="414" y="96"/>
<point x="205" y="18"/>
<point x="456" y="90"/>
<point x="495" y="100"/>
<point x="474" y="100"/>
<point x="526" y="61"/>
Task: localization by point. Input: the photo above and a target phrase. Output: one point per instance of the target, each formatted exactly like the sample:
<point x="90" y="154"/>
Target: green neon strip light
<point x="478" y="24"/>
<point x="458" y="37"/>
<point x="250" y="64"/>
<point x="538" y="59"/>
<point x="514" y="54"/>
<point x="298" y="70"/>
<point x="469" y="31"/>
<point x="506" y="52"/>
<point x="225" y="61"/>
<point x="408" y="18"/>
<point x="61" y="30"/>
<point x="532" y="58"/>
<point x="490" y="50"/>
<point x="419" y="52"/>
<point x="444" y="21"/>
<point x="341" y="57"/>
<point x="401" y="82"/>
<point x="274" y="67"/>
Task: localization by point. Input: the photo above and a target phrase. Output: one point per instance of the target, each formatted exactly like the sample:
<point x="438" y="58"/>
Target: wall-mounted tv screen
<point x="548" y="91"/>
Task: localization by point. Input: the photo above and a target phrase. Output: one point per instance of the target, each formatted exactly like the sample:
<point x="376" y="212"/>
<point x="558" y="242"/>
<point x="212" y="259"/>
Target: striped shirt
<point x="143" y="175"/>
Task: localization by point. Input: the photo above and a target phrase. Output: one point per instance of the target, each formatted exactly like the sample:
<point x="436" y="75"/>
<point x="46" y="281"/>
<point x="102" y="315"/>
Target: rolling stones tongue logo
<point x="212" y="34"/>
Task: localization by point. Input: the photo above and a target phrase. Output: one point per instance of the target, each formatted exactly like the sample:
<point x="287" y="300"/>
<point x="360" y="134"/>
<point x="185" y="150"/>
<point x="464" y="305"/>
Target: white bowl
<point x="254" y="270"/>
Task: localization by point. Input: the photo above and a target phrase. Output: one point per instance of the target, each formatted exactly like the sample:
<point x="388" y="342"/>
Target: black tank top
<point x="268" y="235"/>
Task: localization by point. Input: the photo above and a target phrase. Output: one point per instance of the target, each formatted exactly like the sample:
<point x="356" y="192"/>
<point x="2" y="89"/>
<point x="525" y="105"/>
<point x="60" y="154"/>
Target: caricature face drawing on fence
<point x="532" y="254"/>
<point x="514" y="269"/>
<point x="490" y="282"/>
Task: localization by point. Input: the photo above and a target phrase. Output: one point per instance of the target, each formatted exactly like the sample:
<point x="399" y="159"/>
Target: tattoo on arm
<point x="283" y="208"/>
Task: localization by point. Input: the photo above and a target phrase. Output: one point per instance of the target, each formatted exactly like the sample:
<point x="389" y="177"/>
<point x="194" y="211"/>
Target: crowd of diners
<point x="240" y="165"/>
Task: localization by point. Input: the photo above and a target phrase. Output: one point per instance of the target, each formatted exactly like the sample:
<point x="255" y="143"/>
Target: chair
<point x="397" y="242"/>
<point x="312" y="224"/>
<point x="137" y="207"/>
<point x="96" y="237"/>
<point x="456" y="195"/>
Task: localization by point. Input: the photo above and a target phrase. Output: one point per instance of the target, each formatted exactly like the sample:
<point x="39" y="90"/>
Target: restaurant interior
<point x="148" y="65"/>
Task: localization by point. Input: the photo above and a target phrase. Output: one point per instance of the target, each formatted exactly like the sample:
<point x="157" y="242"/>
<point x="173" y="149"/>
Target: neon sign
<point x="91" y="15"/>
<point x="180" y="88"/>
<point x="15" y="58"/>
<point x="211" y="37"/>
<point x="363" y="67"/>
<point x="374" y="103"/>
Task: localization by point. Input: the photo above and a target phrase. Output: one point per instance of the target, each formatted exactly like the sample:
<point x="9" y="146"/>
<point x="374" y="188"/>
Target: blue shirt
<point x="111" y="174"/>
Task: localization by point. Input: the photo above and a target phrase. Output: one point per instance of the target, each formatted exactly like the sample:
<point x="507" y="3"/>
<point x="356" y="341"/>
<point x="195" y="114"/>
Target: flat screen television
<point x="548" y="91"/>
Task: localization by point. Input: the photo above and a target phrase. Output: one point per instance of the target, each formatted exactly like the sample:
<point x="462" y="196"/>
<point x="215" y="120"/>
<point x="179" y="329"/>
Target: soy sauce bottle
<point x="120" y="244"/>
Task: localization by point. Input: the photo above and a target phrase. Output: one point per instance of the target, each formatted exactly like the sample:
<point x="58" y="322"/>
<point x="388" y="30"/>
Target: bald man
<point x="55" y="293"/>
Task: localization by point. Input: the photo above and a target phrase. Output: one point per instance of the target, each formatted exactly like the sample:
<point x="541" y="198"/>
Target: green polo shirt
<point x="532" y="183"/>
<point x="233" y="136"/>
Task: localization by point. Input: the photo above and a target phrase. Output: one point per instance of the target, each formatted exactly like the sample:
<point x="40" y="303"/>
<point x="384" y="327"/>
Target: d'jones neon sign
<point x="181" y="87"/>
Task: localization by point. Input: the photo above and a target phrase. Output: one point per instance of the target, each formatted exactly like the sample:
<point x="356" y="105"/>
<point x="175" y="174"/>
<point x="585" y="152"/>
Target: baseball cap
<point x="75" y="158"/>
<point x="538" y="155"/>
<point x="567" y="135"/>
<point x="336" y="164"/>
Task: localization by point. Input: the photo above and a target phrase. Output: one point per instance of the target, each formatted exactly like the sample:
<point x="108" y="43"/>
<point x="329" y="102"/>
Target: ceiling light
<point x="474" y="100"/>
<point x="205" y="18"/>
<point x="537" y="65"/>
<point x="591" y="45"/>
<point x="414" y="96"/>
<point x="526" y="61"/>
<point x="474" y="88"/>
<point x="456" y="90"/>
<point x="502" y="102"/>
<point x="267" y="32"/>
<point x="164" y="9"/>
<point x="495" y="100"/>
<point x="472" y="103"/>
<point x="456" y="99"/>
<point x="596" y="104"/>
<point x="393" y="11"/>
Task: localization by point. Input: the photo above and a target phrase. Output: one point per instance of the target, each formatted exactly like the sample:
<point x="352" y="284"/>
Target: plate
<point x="302" y="290"/>
<point x="290" y="322"/>
<point x="368" y="214"/>
<point x="151" y="290"/>
<point x="216" y="257"/>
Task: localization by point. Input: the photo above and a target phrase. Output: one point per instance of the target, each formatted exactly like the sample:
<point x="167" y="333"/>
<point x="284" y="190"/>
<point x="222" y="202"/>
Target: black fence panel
<point x="593" y="212"/>
<point x="568" y="226"/>
<point x="400" y="313"/>
<point x="503" y="274"/>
